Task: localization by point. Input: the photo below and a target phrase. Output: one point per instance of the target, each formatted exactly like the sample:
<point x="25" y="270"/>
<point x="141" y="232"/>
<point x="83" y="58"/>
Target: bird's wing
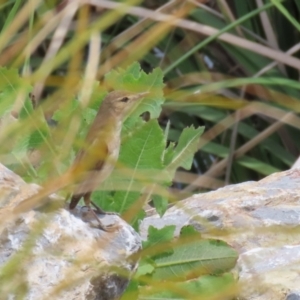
<point x="86" y="170"/>
<point x="91" y="158"/>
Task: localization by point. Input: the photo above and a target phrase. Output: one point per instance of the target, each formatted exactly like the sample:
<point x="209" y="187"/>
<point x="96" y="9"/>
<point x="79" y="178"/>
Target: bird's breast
<point x="113" y="142"/>
<point x="113" y="149"/>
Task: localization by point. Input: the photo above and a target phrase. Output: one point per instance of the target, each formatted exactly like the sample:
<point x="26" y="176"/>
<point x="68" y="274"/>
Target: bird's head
<point x="121" y="103"/>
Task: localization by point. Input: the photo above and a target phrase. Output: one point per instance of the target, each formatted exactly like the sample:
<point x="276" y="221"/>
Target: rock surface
<point x="260" y="220"/>
<point x="56" y="255"/>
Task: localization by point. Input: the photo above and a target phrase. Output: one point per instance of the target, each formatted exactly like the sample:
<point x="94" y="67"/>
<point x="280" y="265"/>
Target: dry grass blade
<point x="226" y="11"/>
<point x="216" y="13"/>
<point x="273" y="64"/>
<point x="11" y="30"/>
<point x="141" y="45"/>
<point x="270" y="34"/>
<point x="134" y="30"/>
<point x="57" y="40"/>
<point x="203" y="29"/>
<point x="207" y="182"/>
<point x="91" y="69"/>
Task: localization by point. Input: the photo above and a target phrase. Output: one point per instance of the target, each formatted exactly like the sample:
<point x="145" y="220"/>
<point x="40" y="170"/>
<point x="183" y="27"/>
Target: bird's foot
<point x="100" y="225"/>
<point x="91" y="216"/>
<point x="100" y="211"/>
<point x="106" y="228"/>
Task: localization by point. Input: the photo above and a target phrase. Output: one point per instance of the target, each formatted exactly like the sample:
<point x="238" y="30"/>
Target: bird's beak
<point x="141" y="95"/>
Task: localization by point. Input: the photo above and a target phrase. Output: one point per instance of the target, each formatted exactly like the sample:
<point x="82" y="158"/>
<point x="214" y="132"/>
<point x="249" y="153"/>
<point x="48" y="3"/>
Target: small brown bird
<point x="95" y="162"/>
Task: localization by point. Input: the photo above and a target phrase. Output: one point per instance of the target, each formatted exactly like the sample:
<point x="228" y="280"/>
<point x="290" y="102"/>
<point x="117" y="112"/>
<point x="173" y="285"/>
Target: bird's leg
<point x="103" y="212"/>
<point x="87" y="201"/>
<point x="98" y="209"/>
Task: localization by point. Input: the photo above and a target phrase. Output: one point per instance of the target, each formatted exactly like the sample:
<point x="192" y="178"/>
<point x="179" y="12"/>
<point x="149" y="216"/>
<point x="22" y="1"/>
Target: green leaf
<point x="256" y="165"/>
<point x="205" y="287"/>
<point x="146" y="267"/>
<point x="189" y="231"/>
<point x="27" y="109"/>
<point x="21" y="145"/>
<point x="158" y="236"/>
<point x="67" y="109"/>
<point x="144" y="148"/>
<point x="246" y="161"/>
<point x="185" y="149"/>
<point x="141" y="151"/>
<point x="41" y="134"/>
<point x="160" y="203"/>
<point x="33" y="137"/>
<point x="169" y="153"/>
<point x="11" y="86"/>
<point x="195" y="257"/>
<point x="142" y="144"/>
<point x="97" y="97"/>
<point x="89" y="115"/>
<point x="135" y="80"/>
<point x="132" y="291"/>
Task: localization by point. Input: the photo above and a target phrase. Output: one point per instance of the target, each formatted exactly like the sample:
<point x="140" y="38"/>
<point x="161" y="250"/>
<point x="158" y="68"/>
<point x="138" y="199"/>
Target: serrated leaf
<point x="141" y="151"/>
<point x="135" y="80"/>
<point x="160" y="203"/>
<point x="169" y="153"/>
<point x="195" y="258"/>
<point x="185" y="149"/>
<point x="144" y="148"/>
<point x="189" y="231"/>
<point x="158" y="236"/>
<point x="153" y="83"/>
<point x="146" y="266"/>
<point x="134" y="69"/>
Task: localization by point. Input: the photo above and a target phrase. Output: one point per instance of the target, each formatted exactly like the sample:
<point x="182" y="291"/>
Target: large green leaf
<point x="143" y="151"/>
<point x="185" y="149"/>
<point x="197" y="257"/>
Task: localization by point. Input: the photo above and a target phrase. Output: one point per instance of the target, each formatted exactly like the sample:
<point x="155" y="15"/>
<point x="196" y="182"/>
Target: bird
<point x="95" y="161"/>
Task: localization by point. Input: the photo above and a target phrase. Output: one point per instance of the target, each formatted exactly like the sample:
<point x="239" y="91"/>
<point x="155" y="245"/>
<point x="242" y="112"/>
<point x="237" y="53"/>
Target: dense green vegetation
<point x="230" y="68"/>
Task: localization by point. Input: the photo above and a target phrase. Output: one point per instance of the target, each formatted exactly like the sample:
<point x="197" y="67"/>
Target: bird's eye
<point x="124" y="99"/>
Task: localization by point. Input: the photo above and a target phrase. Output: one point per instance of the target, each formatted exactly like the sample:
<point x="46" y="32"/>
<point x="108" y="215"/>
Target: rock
<point x="56" y="255"/>
<point x="260" y="220"/>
